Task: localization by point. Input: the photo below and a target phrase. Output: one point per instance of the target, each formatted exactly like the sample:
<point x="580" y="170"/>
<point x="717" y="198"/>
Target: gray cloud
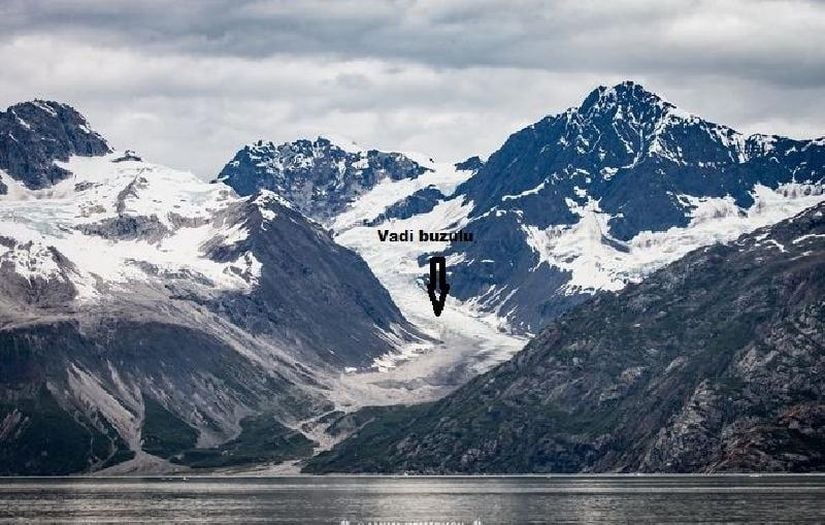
<point x="747" y="38"/>
<point x="188" y="82"/>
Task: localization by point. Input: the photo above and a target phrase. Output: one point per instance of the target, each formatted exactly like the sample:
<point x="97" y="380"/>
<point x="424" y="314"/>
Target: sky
<point x="187" y="83"/>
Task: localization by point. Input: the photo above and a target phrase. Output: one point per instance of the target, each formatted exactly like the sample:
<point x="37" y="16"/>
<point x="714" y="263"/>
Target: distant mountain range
<point x="151" y="321"/>
<point x="591" y="199"/>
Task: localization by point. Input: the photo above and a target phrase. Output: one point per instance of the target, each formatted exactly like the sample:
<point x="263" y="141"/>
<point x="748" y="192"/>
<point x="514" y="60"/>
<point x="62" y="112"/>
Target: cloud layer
<point x="186" y="83"/>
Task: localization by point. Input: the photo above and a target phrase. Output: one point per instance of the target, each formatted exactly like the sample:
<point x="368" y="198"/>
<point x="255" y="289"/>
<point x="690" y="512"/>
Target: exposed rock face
<point x="472" y="164"/>
<point x="35" y="134"/>
<point x="144" y="311"/>
<point x="318" y="177"/>
<point x="35" y="275"/>
<point x="422" y="201"/>
<point x="712" y="364"/>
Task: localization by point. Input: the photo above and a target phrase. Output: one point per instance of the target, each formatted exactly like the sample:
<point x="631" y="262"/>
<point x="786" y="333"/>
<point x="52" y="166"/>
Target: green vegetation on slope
<point x="39" y="438"/>
<point x="164" y="434"/>
<point x="262" y="440"/>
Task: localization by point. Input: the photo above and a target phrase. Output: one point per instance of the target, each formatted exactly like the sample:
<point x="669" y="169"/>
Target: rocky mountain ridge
<point x="601" y="195"/>
<point x="320" y="178"/>
<point x="35" y="134"/>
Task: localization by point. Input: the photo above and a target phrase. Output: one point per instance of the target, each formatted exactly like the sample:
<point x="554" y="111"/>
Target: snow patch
<point x="525" y="193"/>
<point x="31" y="261"/>
<point x="808" y="237"/>
<point x="45" y="107"/>
<point x="101" y="190"/>
<point x="608" y="173"/>
<point x="443" y="176"/>
<point x="597" y="262"/>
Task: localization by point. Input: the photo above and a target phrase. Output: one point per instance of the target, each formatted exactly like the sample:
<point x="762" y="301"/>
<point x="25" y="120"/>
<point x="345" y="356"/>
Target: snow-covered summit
<point x="652" y="180"/>
<point x="320" y="177"/>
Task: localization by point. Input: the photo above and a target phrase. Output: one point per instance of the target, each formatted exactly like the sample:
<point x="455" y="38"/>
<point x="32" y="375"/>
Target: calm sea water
<point x="583" y="499"/>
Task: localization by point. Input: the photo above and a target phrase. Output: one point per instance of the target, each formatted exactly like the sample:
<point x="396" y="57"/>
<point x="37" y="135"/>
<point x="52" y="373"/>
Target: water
<point x="529" y="499"/>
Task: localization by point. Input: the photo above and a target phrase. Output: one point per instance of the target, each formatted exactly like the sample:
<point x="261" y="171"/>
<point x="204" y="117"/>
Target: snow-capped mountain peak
<point x="615" y="100"/>
<point x="129" y="289"/>
<point x="319" y="177"/>
<point x="665" y="181"/>
<point x="643" y="124"/>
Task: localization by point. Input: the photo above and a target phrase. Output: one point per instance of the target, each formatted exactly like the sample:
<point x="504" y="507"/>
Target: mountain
<point x="594" y="198"/>
<point x="320" y="178"/>
<point x="146" y="314"/>
<point x="711" y="364"/>
<point x="600" y="195"/>
<point x="354" y="192"/>
<point x="151" y="321"/>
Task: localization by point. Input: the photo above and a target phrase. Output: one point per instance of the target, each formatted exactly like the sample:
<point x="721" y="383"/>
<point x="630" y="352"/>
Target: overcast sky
<point x="187" y="83"/>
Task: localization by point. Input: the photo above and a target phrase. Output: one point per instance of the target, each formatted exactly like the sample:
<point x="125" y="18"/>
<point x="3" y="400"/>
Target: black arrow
<point x="438" y="266"/>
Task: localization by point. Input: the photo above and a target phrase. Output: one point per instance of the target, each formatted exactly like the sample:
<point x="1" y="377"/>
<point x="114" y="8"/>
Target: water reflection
<point x="488" y="499"/>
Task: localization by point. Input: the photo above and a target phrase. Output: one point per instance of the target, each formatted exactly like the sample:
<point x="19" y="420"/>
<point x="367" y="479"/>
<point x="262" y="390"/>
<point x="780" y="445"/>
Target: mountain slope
<point x="144" y="312"/>
<point x="713" y="363"/>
